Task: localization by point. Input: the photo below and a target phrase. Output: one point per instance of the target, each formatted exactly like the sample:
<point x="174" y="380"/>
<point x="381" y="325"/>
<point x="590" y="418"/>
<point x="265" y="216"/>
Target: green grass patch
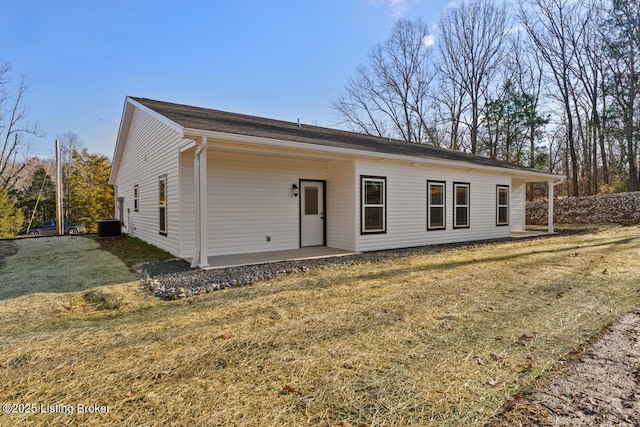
<point x="131" y="250"/>
<point x="59" y="264"/>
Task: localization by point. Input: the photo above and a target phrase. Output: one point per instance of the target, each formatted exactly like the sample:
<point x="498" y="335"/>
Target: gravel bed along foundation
<point x="173" y="279"/>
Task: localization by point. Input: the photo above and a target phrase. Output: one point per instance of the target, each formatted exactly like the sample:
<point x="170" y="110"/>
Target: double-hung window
<point x="461" y="205"/>
<point x="502" y="205"/>
<point x="162" y="205"/>
<point x="374" y="204"/>
<point x="136" y="192"/>
<point x="436" y="205"/>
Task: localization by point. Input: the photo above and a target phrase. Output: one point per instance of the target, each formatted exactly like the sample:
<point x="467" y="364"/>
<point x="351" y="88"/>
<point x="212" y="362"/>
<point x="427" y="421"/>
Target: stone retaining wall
<point x="619" y="208"/>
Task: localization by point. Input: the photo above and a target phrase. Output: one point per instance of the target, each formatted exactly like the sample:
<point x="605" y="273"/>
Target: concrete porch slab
<point x="223" y="261"/>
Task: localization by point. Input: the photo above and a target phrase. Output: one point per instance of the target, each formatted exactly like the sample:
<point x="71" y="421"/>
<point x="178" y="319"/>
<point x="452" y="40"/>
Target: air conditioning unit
<point x="109" y="228"/>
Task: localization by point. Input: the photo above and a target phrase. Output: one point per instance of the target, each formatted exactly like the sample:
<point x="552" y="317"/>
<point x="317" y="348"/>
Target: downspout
<point x="200" y="256"/>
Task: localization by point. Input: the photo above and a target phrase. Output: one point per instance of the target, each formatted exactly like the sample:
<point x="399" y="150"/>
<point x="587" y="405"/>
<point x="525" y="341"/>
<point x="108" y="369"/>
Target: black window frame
<point x="457" y="185"/>
<point x="501" y="206"/>
<point x="442" y="205"/>
<point x="364" y="206"/>
<point x="163" y="217"/>
<point x="136" y="196"/>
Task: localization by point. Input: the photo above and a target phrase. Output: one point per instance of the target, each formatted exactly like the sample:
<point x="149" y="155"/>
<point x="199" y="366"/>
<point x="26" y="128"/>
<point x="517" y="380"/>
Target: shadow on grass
<point x="59" y="264"/>
<point x="392" y="273"/>
<point x="565" y="251"/>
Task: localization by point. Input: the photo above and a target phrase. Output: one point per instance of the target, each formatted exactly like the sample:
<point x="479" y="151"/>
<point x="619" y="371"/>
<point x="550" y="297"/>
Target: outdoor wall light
<point x="294" y="189"/>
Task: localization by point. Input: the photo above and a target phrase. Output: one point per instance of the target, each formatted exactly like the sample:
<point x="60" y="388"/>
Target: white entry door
<point x="312" y="213"/>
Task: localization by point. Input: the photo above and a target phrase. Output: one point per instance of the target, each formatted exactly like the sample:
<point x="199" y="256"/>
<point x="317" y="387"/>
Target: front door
<point x="312" y="213"/>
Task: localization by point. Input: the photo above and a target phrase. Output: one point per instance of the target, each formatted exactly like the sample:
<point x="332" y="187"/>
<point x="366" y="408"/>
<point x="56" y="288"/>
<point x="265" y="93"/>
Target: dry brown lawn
<point x="439" y="339"/>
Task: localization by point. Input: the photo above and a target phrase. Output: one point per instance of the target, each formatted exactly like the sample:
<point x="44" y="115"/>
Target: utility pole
<point x="59" y="195"/>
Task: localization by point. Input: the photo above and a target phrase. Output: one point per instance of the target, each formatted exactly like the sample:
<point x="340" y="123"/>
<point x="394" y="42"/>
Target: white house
<point x="203" y="183"/>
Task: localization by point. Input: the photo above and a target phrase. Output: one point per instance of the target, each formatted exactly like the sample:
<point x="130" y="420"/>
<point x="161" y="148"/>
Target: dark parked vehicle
<point x="49" y="229"/>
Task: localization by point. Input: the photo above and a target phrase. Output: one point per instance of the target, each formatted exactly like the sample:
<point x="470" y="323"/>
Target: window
<point x="460" y="205"/>
<point x="311" y="200"/>
<point x="135" y="198"/>
<point x="162" y="205"/>
<point x="121" y="210"/>
<point x="374" y="209"/>
<point x="502" y="210"/>
<point x="435" y="205"/>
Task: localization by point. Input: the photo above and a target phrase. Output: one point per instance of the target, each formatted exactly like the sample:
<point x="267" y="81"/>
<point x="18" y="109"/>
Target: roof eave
<point x="533" y="175"/>
<point x="125" y="121"/>
<point x="130" y="105"/>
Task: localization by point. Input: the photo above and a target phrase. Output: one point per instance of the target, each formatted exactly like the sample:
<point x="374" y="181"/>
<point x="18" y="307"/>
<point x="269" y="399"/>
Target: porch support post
<point x="200" y="256"/>
<point x="550" y="185"/>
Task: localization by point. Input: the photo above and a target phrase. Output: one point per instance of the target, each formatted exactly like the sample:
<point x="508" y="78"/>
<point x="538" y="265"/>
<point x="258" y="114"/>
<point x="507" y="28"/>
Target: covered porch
<point x="314" y="252"/>
<point x="519" y="195"/>
<point x="245" y="204"/>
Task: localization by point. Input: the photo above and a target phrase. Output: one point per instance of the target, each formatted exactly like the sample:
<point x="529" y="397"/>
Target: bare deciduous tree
<point x="623" y="63"/>
<point x="14" y="126"/>
<point x="554" y="26"/>
<point x="591" y="73"/>
<point x="472" y="45"/>
<point x="572" y="70"/>
<point x="69" y="142"/>
<point x="451" y="104"/>
<point x="389" y="96"/>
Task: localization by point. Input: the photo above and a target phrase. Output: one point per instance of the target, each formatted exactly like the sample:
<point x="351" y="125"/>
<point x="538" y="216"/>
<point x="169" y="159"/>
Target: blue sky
<point x="278" y="59"/>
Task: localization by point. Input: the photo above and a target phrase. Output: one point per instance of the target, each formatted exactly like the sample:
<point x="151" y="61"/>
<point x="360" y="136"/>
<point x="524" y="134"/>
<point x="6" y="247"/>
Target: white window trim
<point x="443" y="185"/>
<point x="457" y="185"/>
<point x="363" y="205"/>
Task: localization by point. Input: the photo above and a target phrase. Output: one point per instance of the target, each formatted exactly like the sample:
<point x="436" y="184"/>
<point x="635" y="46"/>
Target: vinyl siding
<point x="249" y="194"/>
<point x="342" y="206"/>
<point x="187" y="204"/>
<point x="150" y="151"/>
<point x="517" y="205"/>
<point x="407" y="205"/>
<point x="250" y="198"/>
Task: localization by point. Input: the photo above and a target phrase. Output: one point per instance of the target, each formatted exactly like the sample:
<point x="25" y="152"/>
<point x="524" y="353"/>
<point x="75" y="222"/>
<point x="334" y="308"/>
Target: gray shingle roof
<point x="239" y="124"/>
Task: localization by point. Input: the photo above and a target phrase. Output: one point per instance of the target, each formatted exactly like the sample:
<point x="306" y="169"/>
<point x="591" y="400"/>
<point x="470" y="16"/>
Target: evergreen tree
<point x="10" y="217"/>
<point x="38" y="201"/>
<point x="511" y="127"/>
<point x="90" y="195"/>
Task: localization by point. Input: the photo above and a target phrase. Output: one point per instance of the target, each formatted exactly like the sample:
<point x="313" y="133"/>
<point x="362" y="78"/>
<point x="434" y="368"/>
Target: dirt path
<point x="598" y="385"/>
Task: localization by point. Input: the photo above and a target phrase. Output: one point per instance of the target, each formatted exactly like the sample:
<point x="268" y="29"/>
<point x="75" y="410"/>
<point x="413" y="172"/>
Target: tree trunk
<point x="629" y="126"/>
<point x="572" y="149"/>
<point x="566" y="167"/>
<point x="602" y="125"/>
<point x="474" y="127"/>
<point x="631" y="152"/>
<point x="594" y="158"/>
